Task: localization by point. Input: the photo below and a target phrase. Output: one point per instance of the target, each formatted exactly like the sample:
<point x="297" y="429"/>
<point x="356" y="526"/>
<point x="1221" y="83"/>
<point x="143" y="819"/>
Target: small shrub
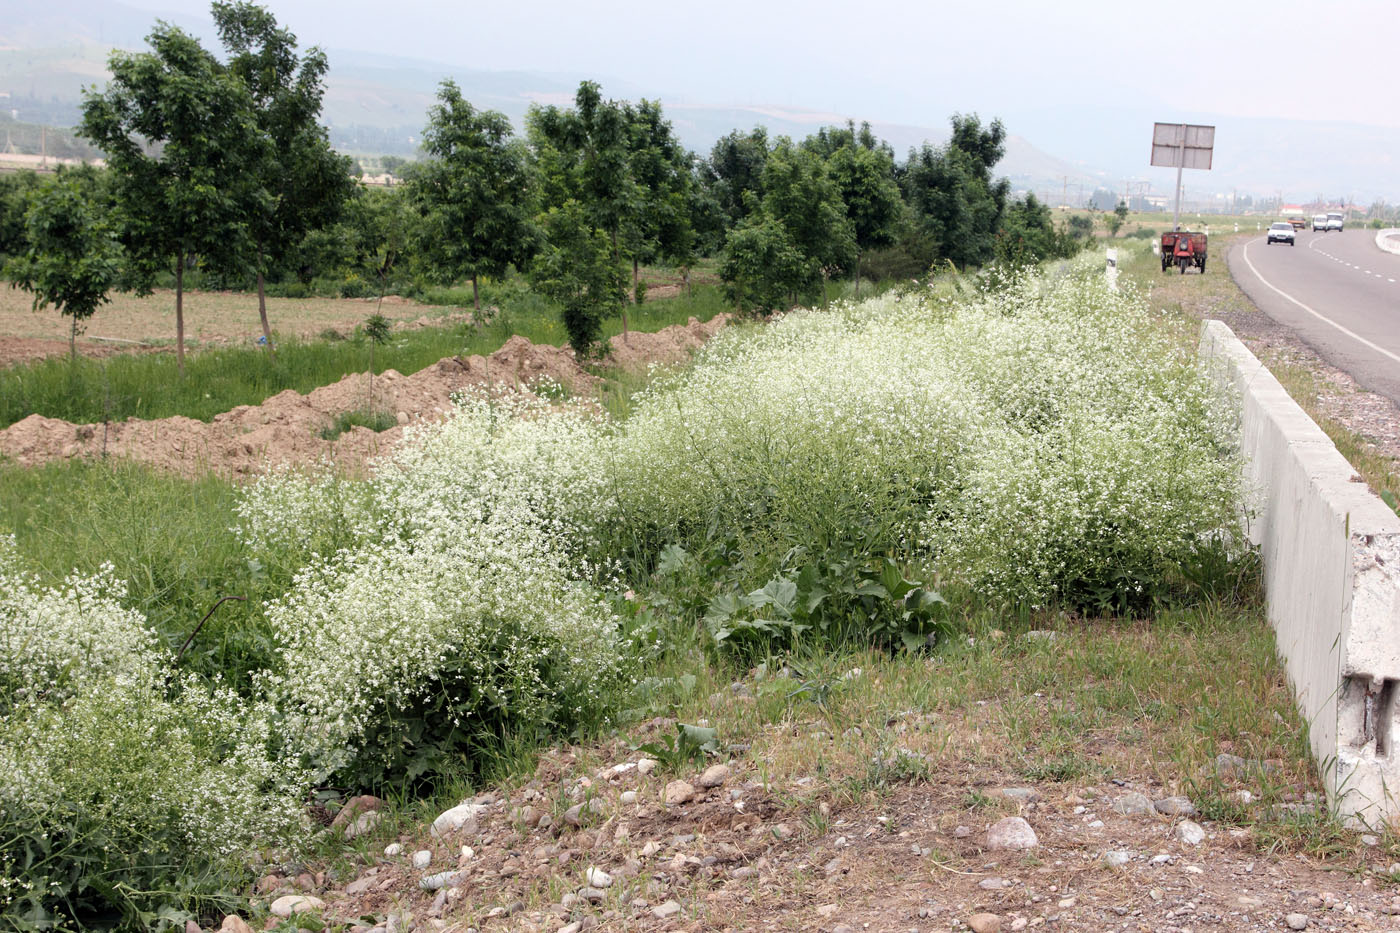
<point x="374" y="419"/>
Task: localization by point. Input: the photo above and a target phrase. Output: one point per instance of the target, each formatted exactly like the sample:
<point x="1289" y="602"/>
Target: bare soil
<point x="286" y="428"/>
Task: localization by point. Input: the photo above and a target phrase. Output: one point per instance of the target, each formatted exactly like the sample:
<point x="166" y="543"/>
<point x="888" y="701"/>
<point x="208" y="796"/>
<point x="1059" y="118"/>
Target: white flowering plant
<point x="127" y="795"/>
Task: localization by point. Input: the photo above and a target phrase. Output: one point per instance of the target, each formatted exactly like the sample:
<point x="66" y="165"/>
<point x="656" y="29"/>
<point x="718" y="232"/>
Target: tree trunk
<point x="636" y="275"/>
<point x="825" y="299"/>
<point x="73" y="340"/>
<point x="180" y="311"/>
<point x="685" y="277"/>
<point x="476" y="296"/>
<point x="262" y="314"/>
<point x="857" y="275"/>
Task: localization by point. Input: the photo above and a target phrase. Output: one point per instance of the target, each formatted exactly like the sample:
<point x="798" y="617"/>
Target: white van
<point x="1334" y="221"/>
<point x="1319" y="222"/>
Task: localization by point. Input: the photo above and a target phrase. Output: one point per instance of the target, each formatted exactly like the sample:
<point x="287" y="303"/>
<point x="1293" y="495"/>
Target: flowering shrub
<point x="1043" y="442"/>
<point x="462" y="610"/>
<point x="122" y="797"/>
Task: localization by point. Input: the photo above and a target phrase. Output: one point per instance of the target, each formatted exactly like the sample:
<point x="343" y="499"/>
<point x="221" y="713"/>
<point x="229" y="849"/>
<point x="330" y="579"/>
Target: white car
<point x="1281" y="232"/>
<point x="1319" y="223"/>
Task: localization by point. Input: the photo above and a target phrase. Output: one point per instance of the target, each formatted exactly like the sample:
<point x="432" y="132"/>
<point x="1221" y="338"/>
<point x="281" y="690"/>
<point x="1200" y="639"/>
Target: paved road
<point x="1339" y="292"/>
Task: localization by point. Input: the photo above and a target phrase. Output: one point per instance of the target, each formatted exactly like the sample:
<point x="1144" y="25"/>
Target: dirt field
<point x="210" y="317"/>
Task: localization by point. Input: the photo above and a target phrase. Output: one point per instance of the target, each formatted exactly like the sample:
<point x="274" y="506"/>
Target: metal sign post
<point x="1182" y="145"/>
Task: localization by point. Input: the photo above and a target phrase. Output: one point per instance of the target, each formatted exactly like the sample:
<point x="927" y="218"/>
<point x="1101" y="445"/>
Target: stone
<point x="843" y="928"/>
<point x="1176" y="806"/>
<point x="984" y="923"/>
<point x="1190" y="832"/>
<point x="1296" y="921"/>
<point x="1134" y="805"/>
<point x="586" y="813"/>
<point x="598" y="878"/>
<point x="962" y="832"/>
<point x="1117" y="858"/>
<point x="296" y="904"/>
<point x="192" y="927"/>
<point x="363" y="824"/>
<point x="991" y="884"/>
<point x="354" y="807"/>
<point x="235" y="924"/>
<point x="646" y="765"/>
<point x="443" y="879"/>
<point x="360" y="885"/>
<point x="1011" y="833"/>
<point x="827" y="910"/>
<point x="666" y="910"/>
<point x="677" y="793"/>
<point x="714" y="776"/>
<point x="1021" y="794"/>
<point x="592" y="895"/>
<point x="392" y="849"/>
<point x="461" y="818"/>
<point x="627" y="797"/>
<point x="422" y="859"/>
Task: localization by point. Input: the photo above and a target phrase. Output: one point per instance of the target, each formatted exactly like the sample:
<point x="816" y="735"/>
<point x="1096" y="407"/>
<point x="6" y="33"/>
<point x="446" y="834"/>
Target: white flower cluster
<point x="1036" y="440"/>
<point x="98" y="749"/>
<point x="467" y="560"/>
<point x="52" y="640"/>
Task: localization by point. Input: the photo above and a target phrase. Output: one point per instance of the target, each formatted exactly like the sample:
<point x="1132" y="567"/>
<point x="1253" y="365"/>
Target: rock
<point x="1011" y="833"/>
<point x="714" y="776"/>
<point x="984" y="923"/>
<point x="843" y="928"/>
<point x="1042" y="635"/>
<point x="627" y="797"/>
<point x="363" y="824"/>
<point x="461" y="818"/>
<point x="1176" y="806"/>
<point x="574" y="927"/>
<point x="443" y="879"/>
<point x="296" y="904"/>
<point x="1296" y="921"/>
<point x="528" y="815"/>
<point x="235" y="924"/>
<point x="392" y="849"/>
<point x="677" y="793"/>
<point x="962" y="832"/>
<point x="1369" y="840"/>
<point x="592" y="895"/>
<point x="360" y="885"/>
<point x="422" y="859"/>
<point x="827" y="910"/>
<point x="1235" y="766"/>
<point x="1021" y="794"/>
<point x="355" y="807"/>
<point x="598" y="878"/>
<point x="586" y="813"/>
<point x="1190" y="832"/>
<point x="1134" y="805"/>
<point x="666" y="911"/>
<point x="192" y="927"/>
<point x="1117" y="858"/>
<point x="991" y="884"/>
<point x="646" y="765"/>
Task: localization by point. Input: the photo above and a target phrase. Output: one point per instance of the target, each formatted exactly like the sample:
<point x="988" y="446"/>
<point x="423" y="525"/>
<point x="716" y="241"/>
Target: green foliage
<point x="762" y="268"/>
<point x="578" y="269"/>
<point x="735" y="172"/>
<point x="375" y="420"/>
<point x="474" y="193"/>
<point x="800" y="194"/>
<point x="954" y="199"/>
<point x="687" y="748"/>
<point x="71" y="260"/>
<point x="1028" y="235"/>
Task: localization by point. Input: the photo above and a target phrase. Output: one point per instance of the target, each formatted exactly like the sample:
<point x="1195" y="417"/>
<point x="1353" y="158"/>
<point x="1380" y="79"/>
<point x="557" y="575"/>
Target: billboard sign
<point x="1182" y="145"/>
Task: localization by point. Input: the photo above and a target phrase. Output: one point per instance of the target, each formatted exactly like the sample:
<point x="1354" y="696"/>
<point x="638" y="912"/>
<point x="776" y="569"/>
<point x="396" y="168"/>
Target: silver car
<point x="1281" y="232"/>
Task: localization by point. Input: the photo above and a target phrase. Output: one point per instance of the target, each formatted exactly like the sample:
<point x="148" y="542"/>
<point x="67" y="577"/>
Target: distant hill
<point x="377" y="104"/>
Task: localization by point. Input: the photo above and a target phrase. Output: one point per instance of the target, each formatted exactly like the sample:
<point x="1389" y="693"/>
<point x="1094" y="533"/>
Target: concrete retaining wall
<point x="1331" y="554"/>
<point x="1389" y="240"/>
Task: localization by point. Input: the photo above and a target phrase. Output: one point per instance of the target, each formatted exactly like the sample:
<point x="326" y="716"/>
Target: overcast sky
<point x="909" y="62"/>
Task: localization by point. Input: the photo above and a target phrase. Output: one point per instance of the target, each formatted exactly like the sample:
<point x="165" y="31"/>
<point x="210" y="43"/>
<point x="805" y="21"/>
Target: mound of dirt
<point x="286" y="428"/>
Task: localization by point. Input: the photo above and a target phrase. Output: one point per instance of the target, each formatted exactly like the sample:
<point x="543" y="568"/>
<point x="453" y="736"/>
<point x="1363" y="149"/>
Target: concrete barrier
<point x="1389" y="240"/>
<point x="1331" y="555"/>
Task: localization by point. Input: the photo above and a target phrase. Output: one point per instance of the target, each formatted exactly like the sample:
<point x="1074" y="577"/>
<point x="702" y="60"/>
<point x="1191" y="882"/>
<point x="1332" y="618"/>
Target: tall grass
<point x="149" y="386"/>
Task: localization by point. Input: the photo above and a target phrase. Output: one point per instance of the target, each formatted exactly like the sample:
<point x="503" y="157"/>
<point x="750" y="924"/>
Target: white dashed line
<point x="1321" y="317"/>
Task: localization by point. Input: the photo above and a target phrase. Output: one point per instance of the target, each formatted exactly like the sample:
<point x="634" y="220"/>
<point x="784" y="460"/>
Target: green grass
<point x="170" y="538"/>
<point x="149" y="386"/>
<point x="360" y="417"/>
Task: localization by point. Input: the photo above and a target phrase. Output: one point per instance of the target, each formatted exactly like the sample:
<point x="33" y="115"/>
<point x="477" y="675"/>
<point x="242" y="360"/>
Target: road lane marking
<point x="1320" y="316"/>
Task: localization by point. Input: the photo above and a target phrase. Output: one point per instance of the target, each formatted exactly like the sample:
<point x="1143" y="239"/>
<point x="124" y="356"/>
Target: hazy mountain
<point x="377" y="104"/>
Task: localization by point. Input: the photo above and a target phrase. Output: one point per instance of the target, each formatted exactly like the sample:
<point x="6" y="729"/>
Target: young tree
<point x="761" y="266"/>
<point x="72" y="259"/>
<point x="864" y="177"/>
<point x="801" y="195"/>
<point x="577" y="268"/>
<point x="474" y="193"/>
<point x="658" y="221"/>
<point x="735" y="168"/>
<point x="178" y="131"/>
<point x="306" y="182"/>
<point x="1116" y="220"/>
<point x="956" y="202"/>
